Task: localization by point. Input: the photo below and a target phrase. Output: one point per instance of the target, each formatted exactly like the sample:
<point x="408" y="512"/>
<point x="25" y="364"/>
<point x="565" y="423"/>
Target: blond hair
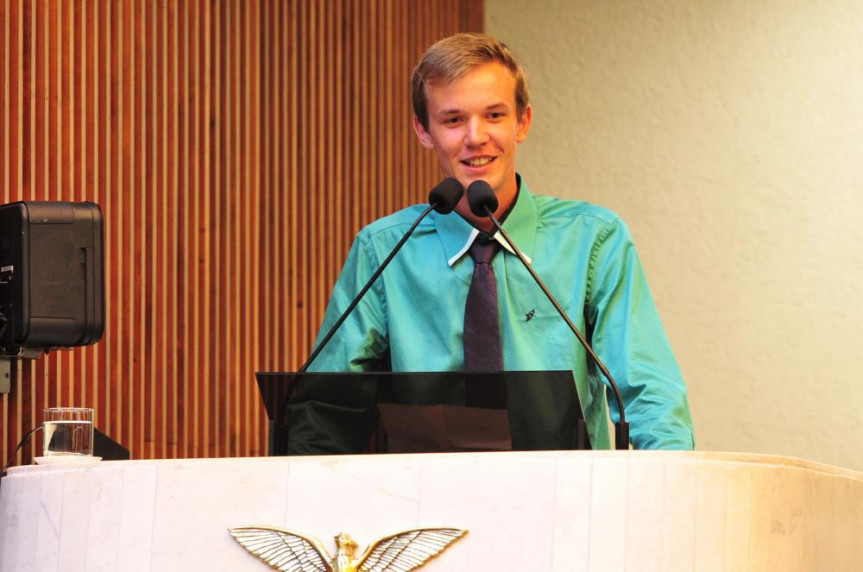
<point x="452" y="57"/>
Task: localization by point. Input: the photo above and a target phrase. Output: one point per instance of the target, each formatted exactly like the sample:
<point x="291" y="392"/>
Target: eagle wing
<point x="283" y="549"/>
<point x="408" y="550"/>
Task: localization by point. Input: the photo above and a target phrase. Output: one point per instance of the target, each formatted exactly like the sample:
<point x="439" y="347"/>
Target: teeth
<point x="478" y="161"/>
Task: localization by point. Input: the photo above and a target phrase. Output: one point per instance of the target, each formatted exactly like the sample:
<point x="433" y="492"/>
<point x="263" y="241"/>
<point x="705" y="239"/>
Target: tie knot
<point x="483" y="252"/>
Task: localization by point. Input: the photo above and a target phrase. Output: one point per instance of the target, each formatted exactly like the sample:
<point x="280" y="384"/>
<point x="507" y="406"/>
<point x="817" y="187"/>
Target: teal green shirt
<point x="586" y="257"/>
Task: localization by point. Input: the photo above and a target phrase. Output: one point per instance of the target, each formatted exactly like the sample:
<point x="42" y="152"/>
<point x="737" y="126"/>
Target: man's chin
<point x="488" y="178"/>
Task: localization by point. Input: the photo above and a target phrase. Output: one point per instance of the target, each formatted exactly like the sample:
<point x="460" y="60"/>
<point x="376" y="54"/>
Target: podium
<point x="423" y="412"/>
<point x="555" y="510"/>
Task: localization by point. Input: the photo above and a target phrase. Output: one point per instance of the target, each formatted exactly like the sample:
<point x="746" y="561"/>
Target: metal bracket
<point x="6" y="365"/>
<point x="5" y="375"/>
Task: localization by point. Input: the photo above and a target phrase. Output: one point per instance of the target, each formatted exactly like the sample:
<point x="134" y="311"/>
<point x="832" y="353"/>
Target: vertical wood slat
<point x="235" y="148"/>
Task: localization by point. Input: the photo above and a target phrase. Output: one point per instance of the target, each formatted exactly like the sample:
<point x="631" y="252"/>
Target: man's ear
<point x="524" y="124"/>
<point x="422" y="134"/>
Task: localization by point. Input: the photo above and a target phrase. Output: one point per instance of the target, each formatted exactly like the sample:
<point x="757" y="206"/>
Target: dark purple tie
<point x="482" y="350"/>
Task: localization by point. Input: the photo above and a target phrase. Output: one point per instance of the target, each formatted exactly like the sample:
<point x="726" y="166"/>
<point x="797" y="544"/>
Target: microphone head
<point x="446" y="195"/>
<point x="479" y="196"/>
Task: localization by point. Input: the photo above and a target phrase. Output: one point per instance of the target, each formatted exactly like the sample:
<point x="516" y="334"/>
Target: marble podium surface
<point x="600" y="511"/>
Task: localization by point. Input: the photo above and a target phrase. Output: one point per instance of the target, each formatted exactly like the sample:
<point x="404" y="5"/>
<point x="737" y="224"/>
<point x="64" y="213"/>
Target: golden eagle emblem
<point x="291" y="551"/>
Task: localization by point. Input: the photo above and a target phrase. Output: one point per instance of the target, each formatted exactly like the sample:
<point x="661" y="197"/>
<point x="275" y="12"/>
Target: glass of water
<point x="67" y="431"/>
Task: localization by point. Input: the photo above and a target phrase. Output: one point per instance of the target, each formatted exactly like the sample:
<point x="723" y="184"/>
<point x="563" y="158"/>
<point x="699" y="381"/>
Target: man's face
<point x="474" y="129"/>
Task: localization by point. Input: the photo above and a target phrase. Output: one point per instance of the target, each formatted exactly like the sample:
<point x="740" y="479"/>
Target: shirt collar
<point x="456" y="234"/>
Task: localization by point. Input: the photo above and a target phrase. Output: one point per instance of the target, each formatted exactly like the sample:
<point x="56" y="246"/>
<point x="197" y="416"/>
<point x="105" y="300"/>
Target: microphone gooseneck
<point x="483" y="202"/>
<point x="443" y="199"/>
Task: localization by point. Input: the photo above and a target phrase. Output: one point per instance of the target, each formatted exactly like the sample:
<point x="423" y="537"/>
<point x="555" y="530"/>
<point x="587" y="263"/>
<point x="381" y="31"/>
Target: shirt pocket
<point x="539" y="341"/>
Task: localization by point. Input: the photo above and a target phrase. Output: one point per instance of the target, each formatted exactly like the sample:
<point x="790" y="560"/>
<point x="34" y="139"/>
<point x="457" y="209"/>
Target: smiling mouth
<point x="477" y="161"/>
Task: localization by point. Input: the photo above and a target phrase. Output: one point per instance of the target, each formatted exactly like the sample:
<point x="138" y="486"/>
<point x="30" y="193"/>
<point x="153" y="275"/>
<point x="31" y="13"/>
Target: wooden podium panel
<point x="598" y="511"/>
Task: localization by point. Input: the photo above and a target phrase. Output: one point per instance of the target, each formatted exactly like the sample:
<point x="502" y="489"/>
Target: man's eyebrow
<point x="455" y="111"/>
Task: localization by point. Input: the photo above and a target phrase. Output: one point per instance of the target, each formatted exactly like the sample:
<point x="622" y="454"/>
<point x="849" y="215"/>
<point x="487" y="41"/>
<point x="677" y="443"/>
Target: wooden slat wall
<point x="235" y="148"/>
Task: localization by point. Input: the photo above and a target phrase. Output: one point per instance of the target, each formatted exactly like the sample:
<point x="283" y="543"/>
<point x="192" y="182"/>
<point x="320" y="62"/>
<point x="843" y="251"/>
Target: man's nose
<point x="476" y="132"/>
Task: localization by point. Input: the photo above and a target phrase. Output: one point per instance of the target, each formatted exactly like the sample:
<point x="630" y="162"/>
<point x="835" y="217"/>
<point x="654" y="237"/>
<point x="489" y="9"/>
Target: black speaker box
<point x="51" y="274"/>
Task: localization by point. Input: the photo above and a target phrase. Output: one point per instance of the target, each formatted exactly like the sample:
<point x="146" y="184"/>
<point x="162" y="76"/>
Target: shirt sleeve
<point x="324" y="421"/>
<point x="628" y="336"/>
<point x="361" y="341"/>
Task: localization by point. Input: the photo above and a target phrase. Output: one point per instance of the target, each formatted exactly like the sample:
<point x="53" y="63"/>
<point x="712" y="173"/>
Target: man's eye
<point x="496" y="115"/>
<point x="452" y="120"/>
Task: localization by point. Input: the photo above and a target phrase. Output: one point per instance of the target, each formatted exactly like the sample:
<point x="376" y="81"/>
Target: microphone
<point x="483" y="202"/>
<point x="445" y="196"/>
<point x="443" y="199"/>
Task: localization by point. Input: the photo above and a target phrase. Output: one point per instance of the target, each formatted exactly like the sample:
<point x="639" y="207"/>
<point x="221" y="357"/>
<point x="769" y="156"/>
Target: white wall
<point x="729" y="135"/>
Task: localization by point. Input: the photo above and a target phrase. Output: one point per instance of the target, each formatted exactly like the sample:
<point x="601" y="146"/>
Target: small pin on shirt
<point x="529" y="315"/>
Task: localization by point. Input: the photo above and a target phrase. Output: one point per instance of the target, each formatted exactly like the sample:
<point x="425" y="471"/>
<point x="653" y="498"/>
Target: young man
<point x="472" y="109"/>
